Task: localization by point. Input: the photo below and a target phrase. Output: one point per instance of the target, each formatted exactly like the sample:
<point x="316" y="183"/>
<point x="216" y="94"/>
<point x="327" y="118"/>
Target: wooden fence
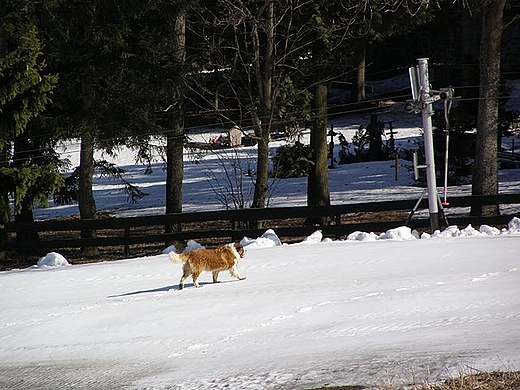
<point x="232" y="225"/>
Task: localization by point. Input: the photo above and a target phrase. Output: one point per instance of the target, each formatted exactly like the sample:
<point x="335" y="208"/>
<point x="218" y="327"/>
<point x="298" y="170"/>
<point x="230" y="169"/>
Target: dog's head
<point x="240" y="249"/>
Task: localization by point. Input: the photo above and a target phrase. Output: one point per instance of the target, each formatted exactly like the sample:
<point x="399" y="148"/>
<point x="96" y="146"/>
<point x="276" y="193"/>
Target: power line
<point x="345" y="112"/>
<point x="224" y="123"/>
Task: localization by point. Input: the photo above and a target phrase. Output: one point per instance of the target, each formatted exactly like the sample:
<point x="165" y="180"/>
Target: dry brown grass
<point x="497" y="380"/>
<point x="342" y="388"/>
<point x="470" y="379"/>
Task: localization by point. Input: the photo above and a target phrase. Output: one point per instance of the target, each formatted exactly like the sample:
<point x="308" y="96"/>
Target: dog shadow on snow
<point x="166" y="289"/>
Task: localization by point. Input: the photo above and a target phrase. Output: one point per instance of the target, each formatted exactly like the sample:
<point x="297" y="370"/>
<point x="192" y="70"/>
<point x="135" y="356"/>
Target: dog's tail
<point x="176" y="258"/>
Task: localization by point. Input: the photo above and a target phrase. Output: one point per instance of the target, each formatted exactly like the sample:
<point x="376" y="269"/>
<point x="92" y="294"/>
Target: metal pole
<point x="427" y="113"/>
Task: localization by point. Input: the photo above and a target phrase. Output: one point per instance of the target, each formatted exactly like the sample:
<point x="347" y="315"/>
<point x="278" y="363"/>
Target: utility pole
<point x="427" y="112"/>
<point x="422" y="102"/>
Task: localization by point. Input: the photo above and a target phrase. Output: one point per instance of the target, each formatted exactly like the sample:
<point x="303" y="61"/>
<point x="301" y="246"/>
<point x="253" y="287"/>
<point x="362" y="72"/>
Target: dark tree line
<point x="118" y="73"/>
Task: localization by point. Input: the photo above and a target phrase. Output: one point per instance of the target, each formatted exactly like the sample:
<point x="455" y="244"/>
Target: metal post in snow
<point x="427" y="113"/>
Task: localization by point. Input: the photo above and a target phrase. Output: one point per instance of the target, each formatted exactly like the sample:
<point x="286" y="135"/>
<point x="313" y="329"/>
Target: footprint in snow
<point x="484" y="277"/>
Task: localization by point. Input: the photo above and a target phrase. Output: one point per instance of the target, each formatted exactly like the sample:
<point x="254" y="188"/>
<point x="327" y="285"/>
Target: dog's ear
<point x="240" y="249"/>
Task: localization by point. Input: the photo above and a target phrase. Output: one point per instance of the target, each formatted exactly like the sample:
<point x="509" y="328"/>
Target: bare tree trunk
<point x="262" y="169"/>
<point x="175" y="138"/>
<point x="4" y="218"/>
<point x="23" y="153"/>
<point x="358" y="87"/>
<point x="264" y="76"/>
<point x="5" y="207"/>
<point x="174" y="166"/>
<point x="318" y="179"/>
<point x="485" y="175"/>
<point x="86" y="201"/>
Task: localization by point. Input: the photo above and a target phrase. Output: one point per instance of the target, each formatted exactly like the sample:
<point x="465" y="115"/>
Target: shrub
<point x="292" y="161"/>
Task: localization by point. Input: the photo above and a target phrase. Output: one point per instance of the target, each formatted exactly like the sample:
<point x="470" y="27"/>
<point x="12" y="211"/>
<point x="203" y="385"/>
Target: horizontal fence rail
<point x="235" y="224"/>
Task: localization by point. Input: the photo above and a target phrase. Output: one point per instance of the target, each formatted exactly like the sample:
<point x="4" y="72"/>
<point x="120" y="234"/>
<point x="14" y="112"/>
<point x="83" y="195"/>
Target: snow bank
<point x="514" y="226"/>
<point x="191" y="245"/>
<point x="314" y="238"/>
<point x="402" y="233"/>
<point x="52" y="259"/>
<point x="169" y="249"/>
<point x="362" y="236"/>
<point x="266" y="240"/>
<point x="489" y="230"/>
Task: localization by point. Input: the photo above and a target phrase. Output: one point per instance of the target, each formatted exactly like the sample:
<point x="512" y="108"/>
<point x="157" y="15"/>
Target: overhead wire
<point x="189" y="129"/>
<point x="350" y="108"/>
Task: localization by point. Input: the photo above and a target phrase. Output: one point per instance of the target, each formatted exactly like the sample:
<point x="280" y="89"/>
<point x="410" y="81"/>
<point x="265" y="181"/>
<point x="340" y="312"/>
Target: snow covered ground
<point x="316" y="313"/>
<point x="369" y="310"/>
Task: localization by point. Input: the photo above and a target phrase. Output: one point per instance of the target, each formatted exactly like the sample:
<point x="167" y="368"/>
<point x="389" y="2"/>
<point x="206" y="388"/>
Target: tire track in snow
<point x="274" y="321"/>
<point x="80" y="375"/>
<point x="385" y="327"/>
<point x="414" y="325"/>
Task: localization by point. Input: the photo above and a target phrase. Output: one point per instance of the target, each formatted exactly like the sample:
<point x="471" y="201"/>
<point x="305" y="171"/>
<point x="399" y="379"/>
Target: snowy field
<point x="369" y="310"/>
<point x="364" y="312"/>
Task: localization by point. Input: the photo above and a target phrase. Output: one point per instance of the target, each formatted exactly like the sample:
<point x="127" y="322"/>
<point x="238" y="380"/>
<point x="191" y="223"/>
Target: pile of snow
<point x="402" y="233"/>
<point x="266" y="240"/>
<point x="53" y="259"/>
<point x="191" y="245"/>
<point x="405" y="233"/>
<point x="362" y="236"/>
<point x="514" y="226"/>
<point x="315" y="237"/>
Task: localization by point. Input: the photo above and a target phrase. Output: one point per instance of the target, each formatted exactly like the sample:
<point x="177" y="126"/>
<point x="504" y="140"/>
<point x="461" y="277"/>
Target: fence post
<point x="127" y="240"/>
<point x="338" y="225"/>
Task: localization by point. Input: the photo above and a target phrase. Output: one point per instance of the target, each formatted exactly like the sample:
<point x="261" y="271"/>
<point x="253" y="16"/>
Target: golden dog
<point x="215" y="260"/>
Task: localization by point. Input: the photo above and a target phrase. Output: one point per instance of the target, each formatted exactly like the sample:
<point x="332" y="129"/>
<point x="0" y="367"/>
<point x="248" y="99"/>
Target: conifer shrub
<point x="292" y="161"/>
<point x="358" y="150"/>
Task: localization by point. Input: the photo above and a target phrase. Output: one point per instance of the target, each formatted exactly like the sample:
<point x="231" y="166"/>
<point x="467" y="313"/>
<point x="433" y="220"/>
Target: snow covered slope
<point x="344" y="312"/>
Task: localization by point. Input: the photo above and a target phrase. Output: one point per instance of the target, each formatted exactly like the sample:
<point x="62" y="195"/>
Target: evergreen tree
<point x="86" y="43"/>
<point x="118" y="76"/>
<point x="25" y="91"/>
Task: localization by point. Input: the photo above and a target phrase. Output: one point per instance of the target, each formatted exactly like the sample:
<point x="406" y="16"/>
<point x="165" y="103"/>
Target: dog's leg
<point x="196" y="275"/>
<point x="215" y="276"/>
<point x="233" y="271"/>
<point x="186" y="271"/>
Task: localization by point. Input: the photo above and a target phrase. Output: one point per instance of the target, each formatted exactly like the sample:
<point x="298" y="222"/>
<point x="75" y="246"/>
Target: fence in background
<point x="231" y="225"/>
